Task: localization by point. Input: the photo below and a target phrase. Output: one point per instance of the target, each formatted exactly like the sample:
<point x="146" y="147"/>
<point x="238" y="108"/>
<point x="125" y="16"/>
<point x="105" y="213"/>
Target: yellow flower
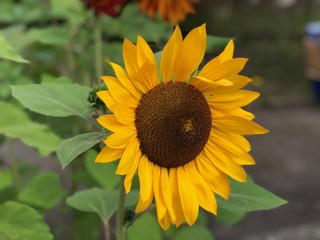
<point x="172" y="10"/>
<point x="182" y="131"/>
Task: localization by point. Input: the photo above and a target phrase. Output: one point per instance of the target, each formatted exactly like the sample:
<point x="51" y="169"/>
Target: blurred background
<point x="271" y="34"/>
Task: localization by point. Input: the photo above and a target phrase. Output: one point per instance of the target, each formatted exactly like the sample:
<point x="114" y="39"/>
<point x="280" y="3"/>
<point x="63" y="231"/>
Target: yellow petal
<point x="227" y="53"/>
<point x="147" y="76"/>
<point x="188" y="196"/>
<point x="237" y="139"/>
<point x="205" y="196"/>
<point x="169" y="55"/>
<point x="217" y="180"/>
<point x="238" y="125"/>
<point x="244" y="159"/>
<point x="144" y="52"/>
<point x="119" y="92"/>
<point x="121" y="139"/>
<point x="223" y="70"/>
<point x="237" y="112"/>
<point x="110" y="122"/>
<point x="231" y="100"/>
<point x="129" y="177"/>
<point x="239" y="81"/>
<point x="165" y="222"/>
<point x="106" y="97"/>
<point x="166" y="193"/>
<point x="225" y="141"/>
<point x="160" y="205"/>
<point x="224" y="163"/>
<point x="188" y="61"/>
<point x="145" y="172"/>
<point x="129" y="53"/>
<point x="143" y="205"/>
<point x="206" y="86"/>
<point x="125" y="81"/>
<point x="108" y="154"/>
<point x="177" y="207"/>
<point x="124" y="113"/>
<point x="130" y="155"/>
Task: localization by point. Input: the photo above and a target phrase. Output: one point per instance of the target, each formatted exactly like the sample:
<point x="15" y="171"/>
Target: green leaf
<point x="21" y="222"/>
<point x="247" y="197"/>
<point x="8" y="52"/>
<point x="194" y="232"/>
<point x="145" y="227"/>
<point x="54" y="36"/>
<point x="216" y="43"/>
<point x="72" y="10"/>
<point x="103" y="173"/>
<point x="71" y="148"/>
<point x="102" y="202"/>
<point x="226" y="217"/>
<point x="14" y="33"/>
<point x="54" y="99"/>
<point x="15" y="123"/>
<point x="43" y="191"/>
<point x="5" y="179"/>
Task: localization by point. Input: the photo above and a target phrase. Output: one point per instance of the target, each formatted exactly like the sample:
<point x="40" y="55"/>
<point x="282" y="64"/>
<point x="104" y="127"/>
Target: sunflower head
<point x="180" y="129"/>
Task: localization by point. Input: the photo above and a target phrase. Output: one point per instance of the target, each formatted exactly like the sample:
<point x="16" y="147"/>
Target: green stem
<point x="106" y="231"/>
<point x="98" y="50"/>
<point x="120" y="229"/>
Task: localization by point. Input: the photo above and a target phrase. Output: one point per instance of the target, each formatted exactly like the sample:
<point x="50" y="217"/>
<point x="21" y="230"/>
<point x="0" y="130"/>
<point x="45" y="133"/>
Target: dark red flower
<point x="109" y="7"/>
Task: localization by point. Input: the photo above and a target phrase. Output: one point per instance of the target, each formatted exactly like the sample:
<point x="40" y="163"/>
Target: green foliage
<point x="191" y="233"/>
<point x="7" y="52"/>
<point x="145" y="227"/>
<point x="15" y="123"/>
<point x="248" y="197"/>
<point x="43" y="191"/>
<point x="20" y="222"/>
<point x="102" y="202"/>
<point x="5" y="179"/>
<point x="54" y="99"/>
<point x="103" y="173"/>
<point x="55" y="35"/>
<point x="125" y="27"/>
<point x="71" y="148"/>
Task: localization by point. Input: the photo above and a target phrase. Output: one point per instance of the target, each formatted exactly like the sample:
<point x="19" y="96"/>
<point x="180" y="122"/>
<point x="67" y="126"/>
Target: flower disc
<point x="173" y="122"/>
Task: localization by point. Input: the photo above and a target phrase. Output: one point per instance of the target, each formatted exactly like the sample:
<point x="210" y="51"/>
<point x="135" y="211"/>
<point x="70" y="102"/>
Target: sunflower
<point x="172" y="10"/>
<point x="181" y="129"/>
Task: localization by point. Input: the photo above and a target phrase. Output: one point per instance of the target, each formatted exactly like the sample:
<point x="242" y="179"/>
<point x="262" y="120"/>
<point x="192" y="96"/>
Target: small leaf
<point x="54" y="99"/>
<point x="55" y="36"/>
<point x="43" y="191"/>
<point x="247" y="197"/>
<point x="15" y="123"/>
<point x="102" y="202"/>
<point x="5" y="179"/>
<point x="103" y="173"/>
<point x="191" y="233"/>
<point x="216" y="43"/>
<point x="8" y="52"/>
<point x="18" y="221"/>
<point x="71" y="148"/>
<point x="145" y="227"/>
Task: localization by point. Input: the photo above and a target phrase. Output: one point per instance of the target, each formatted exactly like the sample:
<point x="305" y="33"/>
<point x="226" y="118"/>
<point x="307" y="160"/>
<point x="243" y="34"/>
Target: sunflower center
<point x="173" y="122"/>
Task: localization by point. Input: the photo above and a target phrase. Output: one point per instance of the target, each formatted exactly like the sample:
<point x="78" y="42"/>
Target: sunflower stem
<point x="98" y="49"/>
<point x="120" y="229"/>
